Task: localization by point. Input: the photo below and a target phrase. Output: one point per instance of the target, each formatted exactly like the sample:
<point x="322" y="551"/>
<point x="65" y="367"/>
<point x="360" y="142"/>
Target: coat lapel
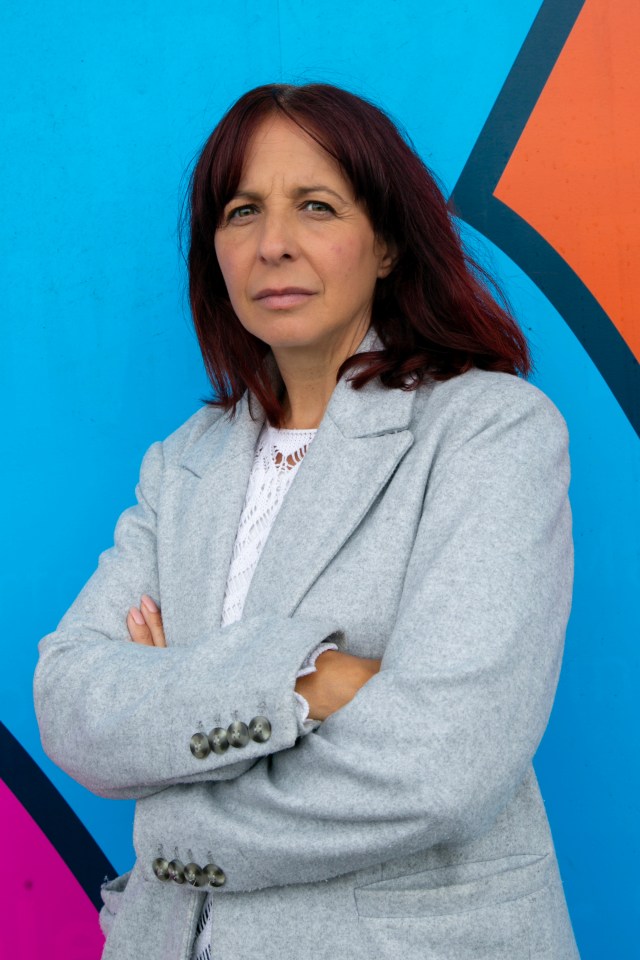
<point x="359" y="443"/>
<point x="220" y="463"/>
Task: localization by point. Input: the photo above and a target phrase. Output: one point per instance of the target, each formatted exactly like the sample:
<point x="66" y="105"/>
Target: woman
<point x="329" y="724"/>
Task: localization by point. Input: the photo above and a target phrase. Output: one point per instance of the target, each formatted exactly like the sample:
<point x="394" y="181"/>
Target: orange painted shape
<point x="574" y="175"/>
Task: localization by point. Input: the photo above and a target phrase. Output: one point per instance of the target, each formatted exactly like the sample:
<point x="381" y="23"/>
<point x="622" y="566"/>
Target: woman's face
<point x="298" y="255"/>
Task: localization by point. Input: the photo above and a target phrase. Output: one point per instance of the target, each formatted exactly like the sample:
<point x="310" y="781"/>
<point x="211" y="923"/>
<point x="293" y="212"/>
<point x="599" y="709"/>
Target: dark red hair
<point x="437" y="313"/>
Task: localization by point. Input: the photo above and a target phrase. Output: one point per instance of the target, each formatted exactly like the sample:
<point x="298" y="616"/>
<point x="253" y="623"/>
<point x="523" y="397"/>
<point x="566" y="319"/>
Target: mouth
<point x="274" y="299"/>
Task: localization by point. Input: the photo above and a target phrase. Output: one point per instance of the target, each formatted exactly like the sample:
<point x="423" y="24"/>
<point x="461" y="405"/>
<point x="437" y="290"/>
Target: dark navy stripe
<point x="54" y="816"/>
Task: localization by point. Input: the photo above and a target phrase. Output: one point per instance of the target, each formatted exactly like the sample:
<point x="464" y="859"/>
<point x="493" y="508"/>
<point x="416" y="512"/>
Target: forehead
<point x="279" y="148"/>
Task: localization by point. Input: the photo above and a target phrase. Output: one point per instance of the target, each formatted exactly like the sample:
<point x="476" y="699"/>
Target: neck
<point x="309" y="376"/>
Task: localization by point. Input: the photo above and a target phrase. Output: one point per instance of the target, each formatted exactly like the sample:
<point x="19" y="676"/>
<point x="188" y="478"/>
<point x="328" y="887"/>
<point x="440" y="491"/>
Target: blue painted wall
<point x="105" y="106"/>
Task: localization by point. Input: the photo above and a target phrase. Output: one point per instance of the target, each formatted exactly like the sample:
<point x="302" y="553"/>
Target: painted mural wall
<point x="527" y="113"/>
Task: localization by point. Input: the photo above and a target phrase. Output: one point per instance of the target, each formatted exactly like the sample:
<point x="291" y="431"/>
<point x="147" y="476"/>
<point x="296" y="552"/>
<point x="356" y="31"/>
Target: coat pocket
<point x="454" y="889"/>
<point x="112" y="892"/>
<point x="497" y="909"/>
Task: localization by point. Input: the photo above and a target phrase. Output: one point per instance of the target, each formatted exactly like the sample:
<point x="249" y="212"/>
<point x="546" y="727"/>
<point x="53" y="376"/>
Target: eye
<point x="318" y="206"/>
<point x="241" y="213"/>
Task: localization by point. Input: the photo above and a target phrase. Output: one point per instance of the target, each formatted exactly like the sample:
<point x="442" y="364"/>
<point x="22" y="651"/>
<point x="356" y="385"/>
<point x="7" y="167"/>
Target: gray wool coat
<point x="430" y="528"/>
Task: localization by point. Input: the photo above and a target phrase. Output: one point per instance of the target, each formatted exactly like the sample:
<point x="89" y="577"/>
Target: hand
<point x="337" y="679"/>
<point x="145" y="624"/>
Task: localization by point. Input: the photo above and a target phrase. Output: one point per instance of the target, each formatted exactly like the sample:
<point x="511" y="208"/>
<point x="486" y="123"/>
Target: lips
<point x="283" y="297"/>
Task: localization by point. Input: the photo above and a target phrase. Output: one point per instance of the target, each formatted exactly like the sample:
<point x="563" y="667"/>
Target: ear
<point x="387" y="253"/>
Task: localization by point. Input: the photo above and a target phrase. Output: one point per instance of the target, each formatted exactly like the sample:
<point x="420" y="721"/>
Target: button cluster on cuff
<point x="237" y="734"/>
<point x="210" y="875"/>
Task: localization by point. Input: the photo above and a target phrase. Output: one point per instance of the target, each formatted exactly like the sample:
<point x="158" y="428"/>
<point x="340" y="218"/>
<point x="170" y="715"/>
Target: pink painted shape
<point x="44" y="911"/>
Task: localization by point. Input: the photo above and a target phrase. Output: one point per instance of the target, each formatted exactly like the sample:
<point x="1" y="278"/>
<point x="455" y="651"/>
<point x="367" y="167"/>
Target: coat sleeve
<point x="115" y="716"/>
<point x="434" y="746"/>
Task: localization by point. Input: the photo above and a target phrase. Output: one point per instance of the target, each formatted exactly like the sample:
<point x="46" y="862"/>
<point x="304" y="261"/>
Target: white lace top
<point x="277" y="458"/>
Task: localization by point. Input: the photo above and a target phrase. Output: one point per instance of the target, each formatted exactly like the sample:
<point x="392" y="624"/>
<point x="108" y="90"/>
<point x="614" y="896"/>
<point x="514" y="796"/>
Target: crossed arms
<point x="474" y="654"/>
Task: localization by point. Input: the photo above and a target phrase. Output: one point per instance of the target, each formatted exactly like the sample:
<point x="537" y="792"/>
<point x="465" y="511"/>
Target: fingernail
<point x="149" y="604"/>
<point x="137" y="616"/>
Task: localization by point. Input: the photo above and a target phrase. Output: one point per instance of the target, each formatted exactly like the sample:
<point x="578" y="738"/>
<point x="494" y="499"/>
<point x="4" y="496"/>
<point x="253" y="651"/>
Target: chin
<point x="289" y="339"/>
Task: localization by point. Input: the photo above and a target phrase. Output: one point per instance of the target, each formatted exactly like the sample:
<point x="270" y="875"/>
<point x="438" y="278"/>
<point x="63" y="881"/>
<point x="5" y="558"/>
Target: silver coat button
<point x="238" y="734"/>
<point x="218" y="740"/>
<point x="260" y="729"/>
<point x="160" y="867"/>
<point x="176" y="871"/>
<point x="199" y="746"/>
<point x="215" y="876"/>
<point x="195" y="875"/>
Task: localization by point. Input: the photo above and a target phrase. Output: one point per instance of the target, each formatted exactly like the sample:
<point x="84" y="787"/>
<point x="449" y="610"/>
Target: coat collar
<point x="357" y="447"/>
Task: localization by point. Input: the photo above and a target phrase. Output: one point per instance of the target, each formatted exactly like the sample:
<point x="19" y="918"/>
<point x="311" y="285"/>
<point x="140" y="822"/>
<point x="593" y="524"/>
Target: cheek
<point x="351" y="264"/>
<point x="231" y="269"/>
<point x="343" y="257"/>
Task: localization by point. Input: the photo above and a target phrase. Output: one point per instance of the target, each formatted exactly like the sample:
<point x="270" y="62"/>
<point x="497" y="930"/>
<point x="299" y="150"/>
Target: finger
<point x="153" y="619"/>
<point x="138" y="629"/>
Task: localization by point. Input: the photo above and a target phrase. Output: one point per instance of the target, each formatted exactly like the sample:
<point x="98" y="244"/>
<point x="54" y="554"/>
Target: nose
<point x="277" y="239"/>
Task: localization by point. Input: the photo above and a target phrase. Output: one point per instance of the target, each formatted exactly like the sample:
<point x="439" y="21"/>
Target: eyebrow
<point x="297" y="194"/>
